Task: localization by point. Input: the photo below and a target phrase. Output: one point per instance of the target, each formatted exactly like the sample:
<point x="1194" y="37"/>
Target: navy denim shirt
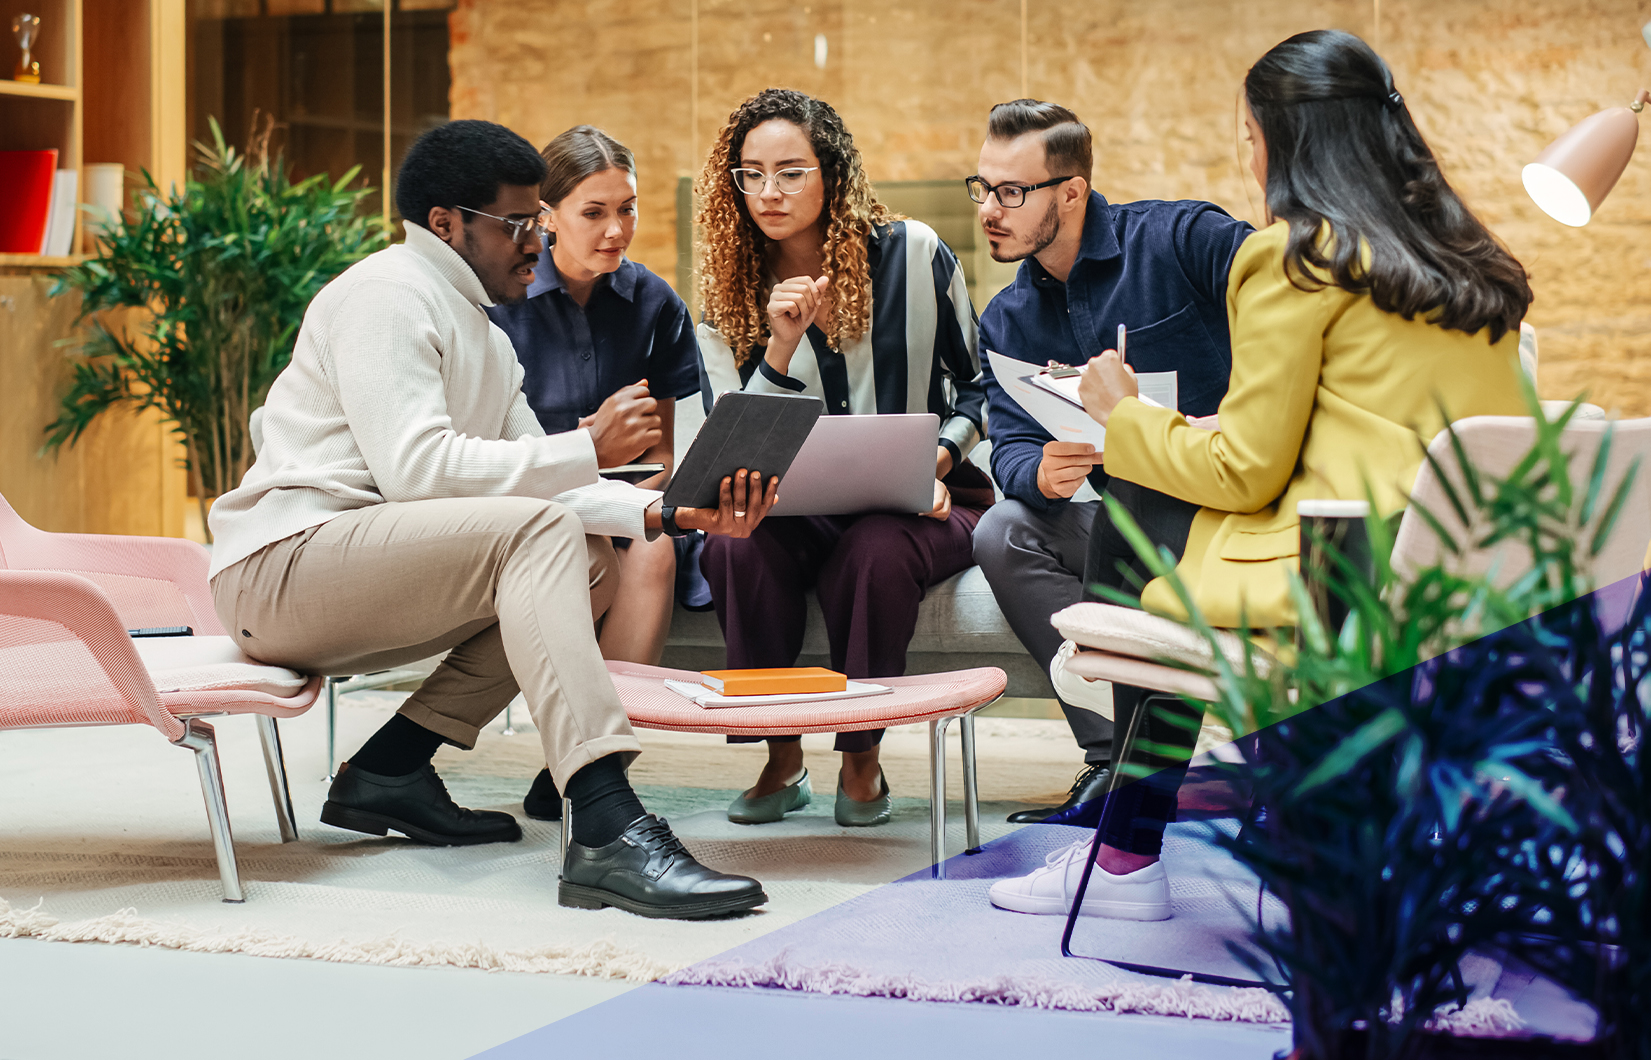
<point x="1160" y="269"/>
<point x="632" y="327"/>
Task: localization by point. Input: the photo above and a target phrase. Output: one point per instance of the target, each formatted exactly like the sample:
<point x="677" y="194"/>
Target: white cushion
<point x="1136" y="634"/>
<point x="198" y="664"/>
<point x="1084" y="678"/>
<point x="1554" y="409"/>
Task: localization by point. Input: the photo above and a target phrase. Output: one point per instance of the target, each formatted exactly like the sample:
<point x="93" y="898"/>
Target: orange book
<point x="783" y="680"/>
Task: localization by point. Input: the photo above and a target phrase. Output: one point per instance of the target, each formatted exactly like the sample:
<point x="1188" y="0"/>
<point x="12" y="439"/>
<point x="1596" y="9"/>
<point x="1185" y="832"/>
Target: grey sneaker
<point x="766" y="809"/>
<point x="851" y="813"/>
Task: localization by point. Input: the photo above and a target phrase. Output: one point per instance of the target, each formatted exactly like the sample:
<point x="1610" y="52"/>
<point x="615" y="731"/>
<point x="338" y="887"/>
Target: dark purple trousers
<point x="870" y="573"/>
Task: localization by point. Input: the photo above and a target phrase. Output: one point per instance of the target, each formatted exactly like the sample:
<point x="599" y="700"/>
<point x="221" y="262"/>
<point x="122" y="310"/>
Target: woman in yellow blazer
<point x="1372" y="298"/>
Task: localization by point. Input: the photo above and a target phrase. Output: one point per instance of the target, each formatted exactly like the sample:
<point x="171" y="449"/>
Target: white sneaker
<point x="1139" y="895"/>
<point x="1079" y="691"/>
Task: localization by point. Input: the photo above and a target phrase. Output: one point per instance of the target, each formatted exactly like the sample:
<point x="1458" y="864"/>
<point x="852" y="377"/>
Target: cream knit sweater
<point x="401" y="389"/>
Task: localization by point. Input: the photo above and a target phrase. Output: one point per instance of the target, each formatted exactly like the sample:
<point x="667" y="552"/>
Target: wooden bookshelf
<point x="39" y="261"/>
<point x="25" y="90"/>
<point x="113" y="90"/>
<point x="34" y="117"/>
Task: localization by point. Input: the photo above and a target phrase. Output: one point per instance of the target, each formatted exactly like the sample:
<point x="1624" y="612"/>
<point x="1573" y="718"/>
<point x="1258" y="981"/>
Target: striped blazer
<point x="921" y="353"/>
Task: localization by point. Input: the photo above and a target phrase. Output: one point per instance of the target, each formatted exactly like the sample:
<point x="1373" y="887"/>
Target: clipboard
<point x="1065" y="421"/>
<point x="1158" y="389"/>
<point x="755" y="432"/>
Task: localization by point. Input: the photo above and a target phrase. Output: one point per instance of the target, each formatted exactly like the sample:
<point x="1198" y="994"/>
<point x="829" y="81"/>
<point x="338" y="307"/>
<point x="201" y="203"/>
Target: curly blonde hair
<point x="732" y="248"/>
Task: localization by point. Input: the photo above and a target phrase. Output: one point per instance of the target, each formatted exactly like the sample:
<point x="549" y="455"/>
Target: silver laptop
<point x="854" y="464"/>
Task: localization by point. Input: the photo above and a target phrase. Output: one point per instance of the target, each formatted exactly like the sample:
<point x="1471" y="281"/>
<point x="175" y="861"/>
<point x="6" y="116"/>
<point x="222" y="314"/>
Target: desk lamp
<point x="1572" y="175"/>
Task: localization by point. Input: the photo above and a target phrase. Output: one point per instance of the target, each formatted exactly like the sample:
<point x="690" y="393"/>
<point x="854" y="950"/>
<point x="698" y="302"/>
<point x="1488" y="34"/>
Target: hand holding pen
<point x="1107" y="380"/>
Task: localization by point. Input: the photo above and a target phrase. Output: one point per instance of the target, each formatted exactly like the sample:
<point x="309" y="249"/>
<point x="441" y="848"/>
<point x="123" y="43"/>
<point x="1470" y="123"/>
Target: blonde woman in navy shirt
<point x="596" y="326"/>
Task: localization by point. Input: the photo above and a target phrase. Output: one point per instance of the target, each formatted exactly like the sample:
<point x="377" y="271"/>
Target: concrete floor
<point x="73" y="1002"/>
<point x="67" y="1002"/>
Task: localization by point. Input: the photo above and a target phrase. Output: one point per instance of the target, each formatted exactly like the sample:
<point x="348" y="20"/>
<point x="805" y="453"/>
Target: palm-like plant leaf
<point x="219" y="274"/>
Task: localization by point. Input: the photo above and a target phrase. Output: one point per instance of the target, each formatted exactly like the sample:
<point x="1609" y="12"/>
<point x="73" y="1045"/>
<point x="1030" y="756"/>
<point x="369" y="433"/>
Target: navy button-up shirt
<point x="632" y="327"/>
<point x="1160" y="269"/>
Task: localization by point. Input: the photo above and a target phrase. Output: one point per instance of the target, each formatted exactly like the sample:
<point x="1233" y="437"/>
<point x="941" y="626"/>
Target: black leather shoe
<point x="543" y="802"/>
<point x="647" y="871"/>
<point x="416" y="805"/>
<point x="1082" y="806"/>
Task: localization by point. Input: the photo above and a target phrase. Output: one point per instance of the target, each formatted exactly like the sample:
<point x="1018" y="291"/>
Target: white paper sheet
<point x="707" y="698"/>
<point x="1064" y="421"/>
<point x="1158" y="389"/>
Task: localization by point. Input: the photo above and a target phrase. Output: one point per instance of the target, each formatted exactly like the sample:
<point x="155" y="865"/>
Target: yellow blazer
<point x="1328" y="393"/>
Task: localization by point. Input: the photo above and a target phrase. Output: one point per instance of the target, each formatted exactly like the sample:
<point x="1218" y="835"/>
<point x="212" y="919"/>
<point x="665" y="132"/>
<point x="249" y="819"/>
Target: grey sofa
<point x="958" y="626"/>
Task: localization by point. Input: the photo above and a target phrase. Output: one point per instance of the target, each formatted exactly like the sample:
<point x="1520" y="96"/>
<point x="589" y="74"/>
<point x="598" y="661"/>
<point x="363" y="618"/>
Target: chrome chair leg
<point x="275" y="765"/>
<point x="567" y="831"/>
<point x="937" y="796"/>
<point x="971" y="794"/>
<point x="329" y="688"/>
<point x="199" y="737"/>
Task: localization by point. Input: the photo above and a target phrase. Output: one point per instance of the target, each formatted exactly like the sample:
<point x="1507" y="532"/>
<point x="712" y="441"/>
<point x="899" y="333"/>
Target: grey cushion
<point x="957" y="616"/>
<point x="958" y="625"/>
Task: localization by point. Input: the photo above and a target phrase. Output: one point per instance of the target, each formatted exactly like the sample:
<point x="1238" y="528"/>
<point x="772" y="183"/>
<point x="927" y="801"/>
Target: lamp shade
<point x="1572" y="175"/>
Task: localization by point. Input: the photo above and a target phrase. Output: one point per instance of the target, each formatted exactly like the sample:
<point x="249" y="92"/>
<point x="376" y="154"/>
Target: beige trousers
<point x="510" y="584"/>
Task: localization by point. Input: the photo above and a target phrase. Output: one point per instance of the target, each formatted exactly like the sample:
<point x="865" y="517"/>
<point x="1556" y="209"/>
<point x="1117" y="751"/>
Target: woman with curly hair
<point x="811" y="286"/>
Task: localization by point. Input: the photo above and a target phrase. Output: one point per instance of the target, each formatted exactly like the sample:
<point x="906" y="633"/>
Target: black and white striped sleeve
<point x="956" y="356"/>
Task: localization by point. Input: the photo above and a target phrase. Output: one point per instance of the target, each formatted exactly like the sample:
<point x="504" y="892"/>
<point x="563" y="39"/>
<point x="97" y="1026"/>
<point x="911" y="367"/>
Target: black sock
<point x="399" y="748"/>
<point x="603" y="802"/>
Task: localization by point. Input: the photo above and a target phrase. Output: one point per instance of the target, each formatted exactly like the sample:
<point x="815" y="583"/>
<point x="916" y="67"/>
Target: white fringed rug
<point x="103" y="840"/>
<point x="103" y="837"/>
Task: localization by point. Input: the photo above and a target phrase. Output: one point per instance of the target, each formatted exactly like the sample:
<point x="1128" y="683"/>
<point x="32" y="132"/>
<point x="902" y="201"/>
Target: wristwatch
<point x="667" y="522"/>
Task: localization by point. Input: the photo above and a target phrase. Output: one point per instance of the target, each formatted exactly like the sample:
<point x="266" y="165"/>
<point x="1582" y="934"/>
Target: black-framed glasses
<point x="518" y="228"/>
<point x="1009" y="195"/>
<point x="790" y="181"/>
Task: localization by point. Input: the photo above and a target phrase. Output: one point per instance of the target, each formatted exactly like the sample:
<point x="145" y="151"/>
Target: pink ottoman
<point x="934" y="698"/>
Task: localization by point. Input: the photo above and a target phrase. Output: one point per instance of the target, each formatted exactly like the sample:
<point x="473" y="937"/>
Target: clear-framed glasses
<point x="517" y="228"/>
<point x="1009" y="195"/>
<point x="790" y="181"/>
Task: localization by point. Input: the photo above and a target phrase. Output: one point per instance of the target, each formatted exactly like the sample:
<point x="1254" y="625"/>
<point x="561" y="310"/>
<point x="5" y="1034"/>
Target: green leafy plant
<point x="1419" y="767"/>
<point x="219" y="275"/>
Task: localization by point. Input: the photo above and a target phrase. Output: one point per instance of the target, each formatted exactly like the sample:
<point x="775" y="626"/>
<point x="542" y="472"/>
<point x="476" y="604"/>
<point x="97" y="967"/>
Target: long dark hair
<point x="1343" y="154"/>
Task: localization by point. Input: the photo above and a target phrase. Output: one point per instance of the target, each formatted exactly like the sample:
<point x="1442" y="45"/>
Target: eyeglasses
<point x="755" y="181"/>
<point x="518" y="228"/>
<point x="1009" y="196"/>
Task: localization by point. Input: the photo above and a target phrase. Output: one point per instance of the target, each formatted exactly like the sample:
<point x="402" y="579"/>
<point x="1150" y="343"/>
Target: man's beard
<point x="496" y="297"/>
<point x="1048" y="229"/>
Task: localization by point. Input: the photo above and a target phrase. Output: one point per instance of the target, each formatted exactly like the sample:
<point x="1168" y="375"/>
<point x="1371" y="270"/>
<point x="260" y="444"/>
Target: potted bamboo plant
<point x="219" y="274"/>
<point x="1459" y="767"/>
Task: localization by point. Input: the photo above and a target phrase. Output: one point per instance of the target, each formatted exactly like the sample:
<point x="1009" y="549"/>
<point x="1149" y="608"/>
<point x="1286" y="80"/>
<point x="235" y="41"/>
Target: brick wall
<point x="1489" y="82"/>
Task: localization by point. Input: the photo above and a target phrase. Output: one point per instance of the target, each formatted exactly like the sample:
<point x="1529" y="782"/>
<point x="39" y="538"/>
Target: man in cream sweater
<point x="405" y="501"/>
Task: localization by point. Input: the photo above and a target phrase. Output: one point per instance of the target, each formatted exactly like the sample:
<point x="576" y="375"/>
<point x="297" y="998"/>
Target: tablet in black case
<point x="757" y="432"/>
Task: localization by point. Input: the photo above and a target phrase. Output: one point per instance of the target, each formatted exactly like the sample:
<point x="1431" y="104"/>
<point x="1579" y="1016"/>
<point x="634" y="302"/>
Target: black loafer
<point x="647" y="871"/>
<point x="543" y="802"/>
<point x="1082" y="806"/>
<point x="416" y="805"/>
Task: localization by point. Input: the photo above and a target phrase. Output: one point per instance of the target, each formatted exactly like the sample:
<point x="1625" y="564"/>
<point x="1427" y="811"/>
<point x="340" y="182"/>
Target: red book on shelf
<point x="25" y="199"/>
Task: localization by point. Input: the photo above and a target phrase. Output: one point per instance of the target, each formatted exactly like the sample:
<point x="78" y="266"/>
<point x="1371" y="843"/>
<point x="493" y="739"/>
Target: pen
<point x="1123" y="333"/>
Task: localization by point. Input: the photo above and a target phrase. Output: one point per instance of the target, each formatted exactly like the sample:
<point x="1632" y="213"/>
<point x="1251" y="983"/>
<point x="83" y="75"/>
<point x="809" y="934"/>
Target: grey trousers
<point x="510" y="584"/>
<point x="1034" y="562"/>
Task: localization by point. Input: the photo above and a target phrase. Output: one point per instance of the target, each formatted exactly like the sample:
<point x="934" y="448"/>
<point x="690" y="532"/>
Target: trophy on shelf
<point x="26" y="28"/>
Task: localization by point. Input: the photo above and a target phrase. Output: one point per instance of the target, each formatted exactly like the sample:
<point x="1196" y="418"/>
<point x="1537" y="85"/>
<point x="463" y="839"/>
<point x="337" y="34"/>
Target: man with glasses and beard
<point x="406" y="502"/>
<point x="1159" y="268"/>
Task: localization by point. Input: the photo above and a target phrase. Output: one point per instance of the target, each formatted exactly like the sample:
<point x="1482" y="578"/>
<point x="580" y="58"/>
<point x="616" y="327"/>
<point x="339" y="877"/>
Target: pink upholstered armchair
<point x="67" y="602"/>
